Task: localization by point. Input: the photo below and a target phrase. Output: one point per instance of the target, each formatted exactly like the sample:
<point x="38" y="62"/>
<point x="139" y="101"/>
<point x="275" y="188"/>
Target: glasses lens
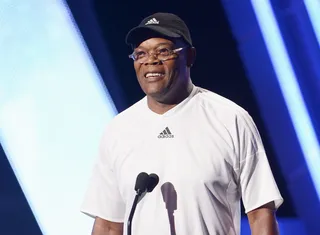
<point x="142" y="59"/>
<point x="161" y="54"/>
<point x="139" y="55"/>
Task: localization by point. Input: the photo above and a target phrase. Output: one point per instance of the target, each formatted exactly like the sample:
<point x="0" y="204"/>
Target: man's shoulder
<point x="130" y="113"/>
<point x="232" y="116"/>
<point x="219" y="104"/>
<point x="123" y="121"/>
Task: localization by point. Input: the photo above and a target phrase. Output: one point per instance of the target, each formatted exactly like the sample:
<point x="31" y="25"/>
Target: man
<point x="205" y="149"/>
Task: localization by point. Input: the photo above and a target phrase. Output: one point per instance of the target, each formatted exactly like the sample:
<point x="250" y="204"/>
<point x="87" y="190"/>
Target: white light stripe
<point x="53" y="109"/>
<point x="313" y="9"/>
<point x="290" y="88"/>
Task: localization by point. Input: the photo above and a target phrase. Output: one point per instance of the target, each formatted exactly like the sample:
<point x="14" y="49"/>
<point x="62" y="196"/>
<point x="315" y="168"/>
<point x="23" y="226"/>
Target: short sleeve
<point x="103" y="198"/>
<point x="257" y="182"/>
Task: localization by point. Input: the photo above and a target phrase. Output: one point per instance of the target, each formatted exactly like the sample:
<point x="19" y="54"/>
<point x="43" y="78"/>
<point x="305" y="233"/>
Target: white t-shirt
<point x="208" y="155"/>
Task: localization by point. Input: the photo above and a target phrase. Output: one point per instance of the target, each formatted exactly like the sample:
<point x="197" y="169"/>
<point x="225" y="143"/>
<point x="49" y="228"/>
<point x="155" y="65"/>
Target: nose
<point x="154" y="62"/>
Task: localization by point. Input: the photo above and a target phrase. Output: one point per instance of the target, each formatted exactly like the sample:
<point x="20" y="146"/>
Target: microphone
<point x="169" y="196"/>
<point x="144" y="183"/>
<point x="153" y="181"/>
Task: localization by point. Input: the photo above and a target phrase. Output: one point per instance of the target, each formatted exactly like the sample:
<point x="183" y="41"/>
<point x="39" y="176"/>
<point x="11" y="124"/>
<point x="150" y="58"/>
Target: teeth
<point x="154" y="74"/>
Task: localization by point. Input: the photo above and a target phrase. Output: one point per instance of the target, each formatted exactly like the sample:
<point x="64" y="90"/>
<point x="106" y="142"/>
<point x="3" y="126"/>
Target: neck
<point x="160" y="107"/>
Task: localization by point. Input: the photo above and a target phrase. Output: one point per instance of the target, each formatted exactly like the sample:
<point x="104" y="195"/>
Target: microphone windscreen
<point x="142" y="182"/>
<point x="153" y="181"/>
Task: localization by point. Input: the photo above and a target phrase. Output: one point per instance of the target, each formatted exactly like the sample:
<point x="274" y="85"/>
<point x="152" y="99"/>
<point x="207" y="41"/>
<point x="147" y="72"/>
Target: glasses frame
<point x="171" y="52"/>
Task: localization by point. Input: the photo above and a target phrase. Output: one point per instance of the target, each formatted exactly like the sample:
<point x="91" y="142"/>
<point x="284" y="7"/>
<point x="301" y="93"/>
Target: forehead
<point x="153" y="42"/>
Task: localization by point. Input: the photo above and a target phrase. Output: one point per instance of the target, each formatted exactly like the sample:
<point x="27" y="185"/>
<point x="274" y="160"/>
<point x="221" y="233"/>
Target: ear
<point x="191" y="56"/>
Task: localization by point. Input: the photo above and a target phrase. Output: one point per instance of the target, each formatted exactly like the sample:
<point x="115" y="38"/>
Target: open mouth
<point x="154" y="75"/>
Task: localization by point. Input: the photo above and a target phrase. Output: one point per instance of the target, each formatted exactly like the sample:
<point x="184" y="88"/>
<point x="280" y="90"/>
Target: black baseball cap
<point x="160" y="24"/>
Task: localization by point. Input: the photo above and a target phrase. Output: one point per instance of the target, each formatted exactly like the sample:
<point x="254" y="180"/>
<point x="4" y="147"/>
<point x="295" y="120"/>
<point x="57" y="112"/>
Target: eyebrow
<point x="158" y="45"/>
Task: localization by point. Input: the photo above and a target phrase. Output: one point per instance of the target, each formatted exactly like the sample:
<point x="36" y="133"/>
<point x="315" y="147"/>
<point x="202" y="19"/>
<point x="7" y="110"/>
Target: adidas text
<point x="165" y="136"/>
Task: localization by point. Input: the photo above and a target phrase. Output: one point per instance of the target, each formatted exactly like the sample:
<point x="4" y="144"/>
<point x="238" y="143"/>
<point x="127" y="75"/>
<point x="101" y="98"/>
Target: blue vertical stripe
<point x="290" y="88"/>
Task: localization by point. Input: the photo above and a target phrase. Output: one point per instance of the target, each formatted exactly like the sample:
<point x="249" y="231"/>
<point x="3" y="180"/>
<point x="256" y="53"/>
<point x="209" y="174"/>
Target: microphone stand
<point x="135" y="202"/>
<point x="171" y="222"/>
<point x="144" y="183"/>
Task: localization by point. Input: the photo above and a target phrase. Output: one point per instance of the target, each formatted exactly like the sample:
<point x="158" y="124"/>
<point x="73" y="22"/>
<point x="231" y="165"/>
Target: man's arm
<point x="105" y="227"/>
<point x="263" y="220"/>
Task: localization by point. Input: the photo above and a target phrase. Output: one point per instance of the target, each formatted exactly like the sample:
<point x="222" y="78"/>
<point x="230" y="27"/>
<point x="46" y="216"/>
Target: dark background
<point x="15" y="213"/>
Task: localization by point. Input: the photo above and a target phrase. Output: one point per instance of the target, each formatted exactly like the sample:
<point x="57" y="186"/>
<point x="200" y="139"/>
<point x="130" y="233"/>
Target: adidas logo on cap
<point x="153" y="21"/>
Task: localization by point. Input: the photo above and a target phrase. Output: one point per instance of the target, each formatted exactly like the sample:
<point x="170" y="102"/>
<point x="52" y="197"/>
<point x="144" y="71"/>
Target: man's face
<point x="157" y="77"/>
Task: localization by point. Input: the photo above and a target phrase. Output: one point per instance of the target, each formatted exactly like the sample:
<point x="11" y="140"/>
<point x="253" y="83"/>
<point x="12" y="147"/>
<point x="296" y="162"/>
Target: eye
<point x="139" y="54"/>
<point x="164" y="51"/>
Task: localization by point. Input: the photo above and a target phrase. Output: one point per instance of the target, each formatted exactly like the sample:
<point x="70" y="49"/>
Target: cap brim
<point x="141" y="33"/>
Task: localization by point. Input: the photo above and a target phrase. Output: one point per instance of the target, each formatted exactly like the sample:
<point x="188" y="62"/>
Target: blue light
<point x="313" y="9"/>
<point x="287" y="226"/>
<point x="290" y="88"/>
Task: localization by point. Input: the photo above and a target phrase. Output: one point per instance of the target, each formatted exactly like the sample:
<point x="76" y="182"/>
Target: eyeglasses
<point x="161" y="54"/>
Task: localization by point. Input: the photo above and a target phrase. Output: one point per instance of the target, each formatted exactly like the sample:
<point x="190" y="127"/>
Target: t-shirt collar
<point x="176" y="108"/>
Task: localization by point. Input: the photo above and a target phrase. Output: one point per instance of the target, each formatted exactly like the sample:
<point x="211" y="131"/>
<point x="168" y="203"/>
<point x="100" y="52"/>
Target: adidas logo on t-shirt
<point x="166" y="133"/>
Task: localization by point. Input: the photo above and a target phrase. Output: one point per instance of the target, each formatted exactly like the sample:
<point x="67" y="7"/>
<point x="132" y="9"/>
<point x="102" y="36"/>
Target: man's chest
<point x="188" y="156"/>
